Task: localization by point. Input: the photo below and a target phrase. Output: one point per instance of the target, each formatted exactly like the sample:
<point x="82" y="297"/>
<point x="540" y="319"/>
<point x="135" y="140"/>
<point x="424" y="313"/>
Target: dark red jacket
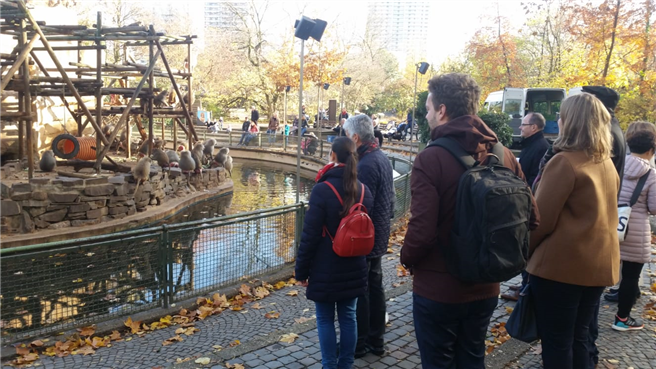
<point x="434" y="183"/>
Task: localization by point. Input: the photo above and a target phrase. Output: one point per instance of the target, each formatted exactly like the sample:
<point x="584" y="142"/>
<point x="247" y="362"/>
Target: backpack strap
<point x="638" y="189"/>
<point x="497" y="150"/>
<point x="453" y="147"/>
<point x="335" y="191"/>
<point x="325" y="229"/>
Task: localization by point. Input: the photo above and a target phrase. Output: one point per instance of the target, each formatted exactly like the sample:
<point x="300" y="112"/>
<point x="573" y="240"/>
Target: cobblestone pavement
<point x="260" y="346"/>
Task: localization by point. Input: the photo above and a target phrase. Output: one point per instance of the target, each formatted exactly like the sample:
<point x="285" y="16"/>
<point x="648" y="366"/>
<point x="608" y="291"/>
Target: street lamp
<point x="325" y="87"/>
<point x="421" y="68"/>
<point x="305" y="28"/>
<point x="284" y="115"/>
<point x="347" y="81"/>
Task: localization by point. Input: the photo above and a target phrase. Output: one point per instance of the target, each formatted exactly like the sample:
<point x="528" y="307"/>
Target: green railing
<point x="58" y="286"/>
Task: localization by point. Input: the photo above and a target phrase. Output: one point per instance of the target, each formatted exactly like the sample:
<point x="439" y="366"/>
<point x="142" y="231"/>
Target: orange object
<point x="87" y="148"/>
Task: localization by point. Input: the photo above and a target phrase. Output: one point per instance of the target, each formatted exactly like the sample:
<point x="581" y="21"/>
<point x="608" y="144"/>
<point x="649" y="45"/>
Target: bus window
<point x="512" y="107"/>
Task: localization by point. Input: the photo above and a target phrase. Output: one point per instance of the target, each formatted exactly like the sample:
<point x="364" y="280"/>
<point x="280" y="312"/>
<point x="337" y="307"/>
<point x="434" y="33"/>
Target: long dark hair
<point x="344" y="149"/>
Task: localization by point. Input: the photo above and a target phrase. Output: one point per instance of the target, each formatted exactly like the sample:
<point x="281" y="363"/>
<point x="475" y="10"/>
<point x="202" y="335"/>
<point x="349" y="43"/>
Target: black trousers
<point x="564" y="313"/>
<point x="371" y="309"/>
<point x="452" y="336"/>
<point x="628" y="287"/>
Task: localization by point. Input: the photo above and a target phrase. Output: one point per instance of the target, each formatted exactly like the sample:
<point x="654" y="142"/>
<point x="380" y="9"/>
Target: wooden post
<point x="190" y="93"/>
<point x="128" y="134"/>
<point x="151" y="84"/>
<point x="27" y="105"/>
<point x="174" y="123"/>
<point x="99" y="95"/>
<point x="25" y="52"/>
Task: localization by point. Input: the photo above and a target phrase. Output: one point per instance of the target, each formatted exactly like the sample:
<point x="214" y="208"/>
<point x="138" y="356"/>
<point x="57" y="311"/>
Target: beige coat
<point x="576" y="241"/>
<point x="636" y="246"/>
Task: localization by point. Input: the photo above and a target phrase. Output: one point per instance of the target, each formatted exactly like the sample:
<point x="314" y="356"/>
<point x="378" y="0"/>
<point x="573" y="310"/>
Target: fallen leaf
<point x="219" y="300"/>
<point x="509" y="310"/>
<point x="204" y="312"/>
<point x="279" y="285"/>
<point x="134" y="326"/>
<point x="234" y="366"/>
<point x="245" y="290"/>
<point x="87" y="331"/>
<point x="217" y="347"/>
<point x="115" y="336"/>
<point x="390" y="250"/>
<point x="257" y="306"/>
<point x="401" y="271"/>
<point x="272" y="315"/>
<point x="37" y="343"/>
<point x="292" y="293"/>
<point x="301" y="320"/>
<point x="85" y="350"/>
<point x="235" y="343"/>
<point x="260" y="292"/>
<point x="289" y="337"/>
<point x="170" y="341"/>
<point x="613" y="361"/>
<point x="202" y="360"/>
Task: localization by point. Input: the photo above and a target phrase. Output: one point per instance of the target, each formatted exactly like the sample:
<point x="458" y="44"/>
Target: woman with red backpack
<point x="331" y="280"/>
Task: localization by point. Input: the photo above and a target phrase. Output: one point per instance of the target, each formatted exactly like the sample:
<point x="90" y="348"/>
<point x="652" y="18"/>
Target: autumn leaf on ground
<point x="204" y="312"/>
<point x="257" y="306"/>
<point x="509" y="310"/>
<point x="134" y="326"/>
<point x="170" y="341"/>
<point x="235" y="308"/>
<point x="279" y="285"/>
<point x="390" y="250"/>
<point x="292" y="293"/>
<point x="401" y="271"/>
<point x="289" y="337"/>
<point x="301" y="320"/>
<point x="234" y="366"/>
<point x="260" y="292"/>
<point x="115" y="336"/>
<point x="653" y="287"/>
<point x="267" y="286"/>
<point x="272" y="315"/>
<point x="85" y="350"/>
<point x="25" y="359"/>
<point x="245" y="290"/>
<point x="292" y="281"/>
<point x="219" y="300"/>
<point x="22" y="349"/>
<point x="87" y="331"/>
<point x="37" y="343"/>
<point x="202" y="360"/>
<point x="235" y="343"/>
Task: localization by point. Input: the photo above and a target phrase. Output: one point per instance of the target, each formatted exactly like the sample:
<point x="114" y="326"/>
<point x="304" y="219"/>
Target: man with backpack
<point x="464" y="236"/>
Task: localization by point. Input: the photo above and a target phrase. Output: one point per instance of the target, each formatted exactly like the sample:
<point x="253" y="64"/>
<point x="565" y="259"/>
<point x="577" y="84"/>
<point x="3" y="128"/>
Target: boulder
<point x="10" y="208"/>
<point x="99" y="190"/>
<point x="59" y="197"/>
<point x="54" y="216"/>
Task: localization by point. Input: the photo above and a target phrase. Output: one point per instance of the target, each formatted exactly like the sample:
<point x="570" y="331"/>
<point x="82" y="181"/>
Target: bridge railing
<point x="57" y="286"/>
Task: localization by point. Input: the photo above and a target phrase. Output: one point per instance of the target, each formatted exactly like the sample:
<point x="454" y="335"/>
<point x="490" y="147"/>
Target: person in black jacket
<point x="610" y="98"/>
<point x="375" y="171"/>
<point x="244" y="129"/>
<point x="332" y="280"/>
<point x="255" y="115"/>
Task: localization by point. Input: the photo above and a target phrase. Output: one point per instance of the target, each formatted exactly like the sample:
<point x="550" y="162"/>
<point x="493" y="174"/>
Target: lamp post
<point x="284" y="115"/>
<point x="325" y="87"/>
<point x="420" y="68"/>
<point x="305" y="28"/>
<point x="346" y="82"/>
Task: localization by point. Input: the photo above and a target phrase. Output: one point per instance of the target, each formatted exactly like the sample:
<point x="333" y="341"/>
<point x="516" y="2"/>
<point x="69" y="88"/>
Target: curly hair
<point x="459" y="93"/>
<point x="641" y="142"/>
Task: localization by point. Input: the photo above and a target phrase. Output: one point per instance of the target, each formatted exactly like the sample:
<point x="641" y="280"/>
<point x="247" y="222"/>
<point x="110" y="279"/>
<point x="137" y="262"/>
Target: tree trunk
<point x="612" y="41"/>
<point x="503" y="48"/>
<point x="649" y="5"/>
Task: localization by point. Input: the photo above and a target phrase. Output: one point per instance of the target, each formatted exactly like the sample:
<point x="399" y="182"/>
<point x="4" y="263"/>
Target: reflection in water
<point x="57" y="289"/>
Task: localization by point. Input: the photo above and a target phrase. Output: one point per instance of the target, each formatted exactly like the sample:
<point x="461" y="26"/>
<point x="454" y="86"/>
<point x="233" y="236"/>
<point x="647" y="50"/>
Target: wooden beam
<point x="126" y="112"/>
<point x="19" y="61"/>
<point x="45" y="72"/>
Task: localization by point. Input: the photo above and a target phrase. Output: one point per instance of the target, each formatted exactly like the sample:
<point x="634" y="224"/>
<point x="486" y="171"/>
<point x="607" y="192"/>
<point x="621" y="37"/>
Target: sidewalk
<point x="248" y="338"/>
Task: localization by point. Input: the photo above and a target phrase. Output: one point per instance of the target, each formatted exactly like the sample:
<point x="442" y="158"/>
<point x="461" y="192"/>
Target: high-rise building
<point x="400" y="26"/>
<point x="220" y="14"/>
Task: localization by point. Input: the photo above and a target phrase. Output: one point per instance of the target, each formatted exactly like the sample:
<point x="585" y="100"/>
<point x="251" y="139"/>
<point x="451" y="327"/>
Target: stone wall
<point x="55" y="203"/>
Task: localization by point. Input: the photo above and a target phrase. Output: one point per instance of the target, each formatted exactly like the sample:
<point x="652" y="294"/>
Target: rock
<point x="175" y="172"/>
<point x="41" y="223"/>
<point x="97" y="213"/>
<point x="71" y="182"/>
<point x="120" y="190"/>
<point x="81" y="223"/>
<point x="143" y="204"/>
<point x="40" y="195"/>
<point x="35" y="212"/>
<point x="117" y="199"/>
<point x="99" y="190"/>
<point x="129" y="202"/>
<point x="34" y="204"/>
<point x="97" y="181"/>
<point x="5" y="191"/>
<point x="97" y="198"/>
<point x="27" y="225"/>
<point x="21" y="187"/>
<point x="116" y="179"/>
<point x="147" y="187"/>
<point x="83" y="207"/>
<point x="40" y="181"/>
<point x="132" y="210"/>
<point x="59" y="197"/>
<point x="21" y="196"/>
<point x="60" y="225"/>
<point x="76" y="216"/>
<point x="54" y="216"/>
<point x="118" y="210"/>
<point x="97" y="204"/>
<point x="9" y="208"/>
<point x="119" y="216"/>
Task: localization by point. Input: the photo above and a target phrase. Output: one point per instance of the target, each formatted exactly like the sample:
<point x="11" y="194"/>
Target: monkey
<point x="187" y="163"/>
<point x="161" y="97"/>
<point x="141" y="171"/>
<point x="228" y="165"/>
<point x="48" y="161"/>
<point x="197" y="154"/>
<point x="173" y="156"/>
<point x="161" y="158"/>
<point x="222" y="156"/>
<point x="208" y="150"/>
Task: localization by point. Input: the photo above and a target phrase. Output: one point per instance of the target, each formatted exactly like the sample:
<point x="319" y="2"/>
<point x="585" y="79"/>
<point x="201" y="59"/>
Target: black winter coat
<point x="375" y="171"/>
<point x="331" y="277"/>
<point x="255" y="115"/>
<point x="619" y="147"/>
<point x="533" y="149"/>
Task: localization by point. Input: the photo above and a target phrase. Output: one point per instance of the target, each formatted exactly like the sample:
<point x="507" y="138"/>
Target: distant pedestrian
<point x="244" y="129"/>
<point x="339" y="128"/>
<point x="255" y="115"/>
<point x="343" y="115"/>
<point x="287" y="129"/>
<point x="333" y="281"/>
<point x="273" y="128"/>
<point x="375" y="171"/>
<point x="409" y="122"/>
<point x="574" y="252"/>
<point x="253" y="131"/>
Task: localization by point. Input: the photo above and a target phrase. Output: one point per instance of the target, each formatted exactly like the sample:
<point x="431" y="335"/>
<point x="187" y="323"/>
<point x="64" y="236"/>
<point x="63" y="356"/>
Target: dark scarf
<point x="543" y="163"/>
<point x="325" y="169"/>
<point x="366" y="148"/>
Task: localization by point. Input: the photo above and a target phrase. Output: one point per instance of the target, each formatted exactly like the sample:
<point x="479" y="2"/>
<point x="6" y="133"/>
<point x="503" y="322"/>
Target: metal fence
<point x="62" y="285"/>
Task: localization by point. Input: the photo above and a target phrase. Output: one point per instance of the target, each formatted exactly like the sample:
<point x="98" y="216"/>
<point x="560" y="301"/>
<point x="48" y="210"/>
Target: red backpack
<point x="355" y="234"/>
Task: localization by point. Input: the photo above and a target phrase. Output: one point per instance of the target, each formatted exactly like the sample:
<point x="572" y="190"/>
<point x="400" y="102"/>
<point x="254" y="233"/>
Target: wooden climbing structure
<point x="108" y="84"/>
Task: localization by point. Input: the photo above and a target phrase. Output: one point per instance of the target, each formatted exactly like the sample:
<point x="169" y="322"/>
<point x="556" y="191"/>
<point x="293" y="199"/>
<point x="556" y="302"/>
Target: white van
<point x="517" y="102"/>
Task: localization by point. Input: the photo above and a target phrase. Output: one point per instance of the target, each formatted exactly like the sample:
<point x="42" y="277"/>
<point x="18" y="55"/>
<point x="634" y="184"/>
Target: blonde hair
<point x="639" y="126"/>
<point x="585" y="126"/>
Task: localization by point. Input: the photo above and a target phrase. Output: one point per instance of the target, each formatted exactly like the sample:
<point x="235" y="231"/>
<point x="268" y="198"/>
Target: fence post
<point x="406" y="192"/>
<point x="300" y="217"/>
<point x="164" y="267"/>
<point x="230" y="138"/>
<point x="259" y="140"/>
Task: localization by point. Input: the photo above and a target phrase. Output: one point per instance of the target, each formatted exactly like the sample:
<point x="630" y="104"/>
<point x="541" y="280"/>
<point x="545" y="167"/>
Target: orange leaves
<point x="134" y="326"/>
<point x="87" y="331"/>
<point x="272" y="315"/>
<point x="170" y="341"/>
<point x="401" y="271"/>
<point x="245" y="290"/>
<point x="261" y="292"/>
<point x="500" y="335"/>
<point x="292" y="293"/>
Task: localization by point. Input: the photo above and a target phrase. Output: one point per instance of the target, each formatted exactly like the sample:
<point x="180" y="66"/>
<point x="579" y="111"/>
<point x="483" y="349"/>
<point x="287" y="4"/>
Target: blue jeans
<point x="243" y="135"/>
<point x="272" y="135"/>
<point x="303" y="130"/>
<point x="452" y="335"/>
<point x="347" y="333"/>
<point x="249" y="137"/>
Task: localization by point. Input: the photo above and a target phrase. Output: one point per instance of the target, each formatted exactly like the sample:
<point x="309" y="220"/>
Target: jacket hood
<point x="470" y="131"/>
<point x="635" y="167"/>
<point x="607" y="96"/>
<point x="337" y="172"/>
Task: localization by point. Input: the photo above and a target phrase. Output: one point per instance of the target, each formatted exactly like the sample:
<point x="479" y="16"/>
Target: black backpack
<point x="490" y="235"/>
